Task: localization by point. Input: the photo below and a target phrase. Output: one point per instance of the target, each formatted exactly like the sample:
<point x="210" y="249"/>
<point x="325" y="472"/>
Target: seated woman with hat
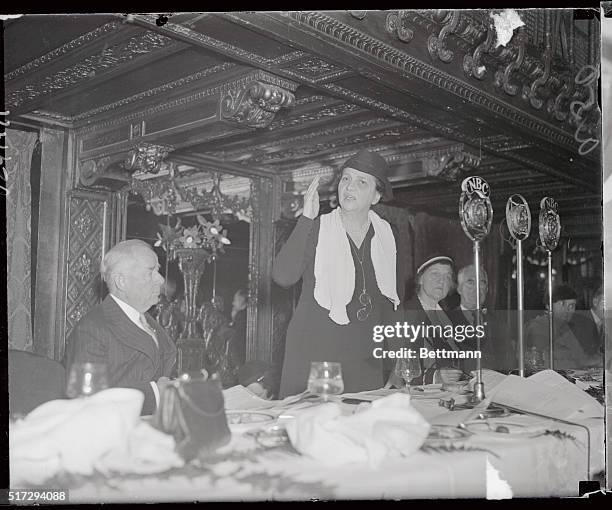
<point x="435" y="278"/>
<point x="347" y="262"/>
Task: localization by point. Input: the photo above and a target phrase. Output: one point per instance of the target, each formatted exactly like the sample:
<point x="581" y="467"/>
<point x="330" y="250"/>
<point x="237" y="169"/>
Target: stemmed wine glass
<point x="407" y="369"/>
<point x="325" y="379"/>
<point x="85" y="379"/>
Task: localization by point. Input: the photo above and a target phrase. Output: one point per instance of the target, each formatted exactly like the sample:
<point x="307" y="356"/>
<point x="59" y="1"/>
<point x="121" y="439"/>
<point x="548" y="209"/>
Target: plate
<point x="434" y="392"/>
<point x="246" y="420"/>
<point x="501" y="429"/>
<point x="444" y="434"/>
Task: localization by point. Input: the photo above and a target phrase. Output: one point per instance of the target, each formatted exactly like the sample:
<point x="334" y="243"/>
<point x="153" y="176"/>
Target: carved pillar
<point x="57" y="170"/>
<point x="261" y="254"/>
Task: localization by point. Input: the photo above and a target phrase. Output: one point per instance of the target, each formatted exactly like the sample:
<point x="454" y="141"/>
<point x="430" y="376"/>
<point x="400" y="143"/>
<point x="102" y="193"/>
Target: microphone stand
<point x="476" y="216"/>
<point x="518" y="218"/>
<point x="550" y="231"/>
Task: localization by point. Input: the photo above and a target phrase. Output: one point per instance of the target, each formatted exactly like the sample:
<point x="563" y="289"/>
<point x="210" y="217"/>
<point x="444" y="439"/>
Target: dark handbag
<point x="193" y="412"/>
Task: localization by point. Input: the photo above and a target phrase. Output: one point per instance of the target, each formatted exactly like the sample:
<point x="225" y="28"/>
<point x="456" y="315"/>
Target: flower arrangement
<point x="211" y="236"/>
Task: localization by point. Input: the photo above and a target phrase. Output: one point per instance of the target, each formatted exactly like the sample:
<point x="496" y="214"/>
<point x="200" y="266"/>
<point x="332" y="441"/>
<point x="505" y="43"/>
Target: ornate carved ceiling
<point x="294" y="93"/>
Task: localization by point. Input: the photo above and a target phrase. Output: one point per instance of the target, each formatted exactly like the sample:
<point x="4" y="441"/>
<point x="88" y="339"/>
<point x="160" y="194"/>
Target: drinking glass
<point x="85" y="379"/>
<point x="407" y="369"/>
<point x="325" y="379"/>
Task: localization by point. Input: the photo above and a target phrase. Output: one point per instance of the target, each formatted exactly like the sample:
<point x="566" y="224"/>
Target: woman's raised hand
<point x="311" y="200"/>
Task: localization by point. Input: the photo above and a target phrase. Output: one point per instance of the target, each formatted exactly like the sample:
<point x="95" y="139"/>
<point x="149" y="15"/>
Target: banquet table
<point x="548" y="459"/>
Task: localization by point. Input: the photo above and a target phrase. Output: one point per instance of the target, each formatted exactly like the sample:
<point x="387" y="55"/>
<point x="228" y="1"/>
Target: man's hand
<point x="311" y="200"/>
<point x="162" y="382"/>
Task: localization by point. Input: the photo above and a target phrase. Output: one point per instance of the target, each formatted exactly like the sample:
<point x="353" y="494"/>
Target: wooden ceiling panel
<point x="34" y="35"/>
<point x="135" y="80"/>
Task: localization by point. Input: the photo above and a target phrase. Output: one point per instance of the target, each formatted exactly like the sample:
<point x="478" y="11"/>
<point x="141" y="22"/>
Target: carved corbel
<point x="450" y="166"/>
<point x="147" y="158"/>
<point x="396" y="23"/>
<point x="255" y="104"/>
<point x="91" y="171"/>
<point x="502" y="77"/>
<point x="472" y="64"/>
<point x="437" y="44"/>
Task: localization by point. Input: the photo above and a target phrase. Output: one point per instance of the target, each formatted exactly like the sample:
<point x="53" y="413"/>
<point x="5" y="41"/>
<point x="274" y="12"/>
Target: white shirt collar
<point x="129" y="310"/>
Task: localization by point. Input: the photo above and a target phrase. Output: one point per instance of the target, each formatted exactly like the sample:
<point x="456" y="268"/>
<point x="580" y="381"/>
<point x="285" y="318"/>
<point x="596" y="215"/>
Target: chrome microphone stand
<point x="476" y="216"/>
<point x="518" y="218"/>
<point x="550" y="231"/>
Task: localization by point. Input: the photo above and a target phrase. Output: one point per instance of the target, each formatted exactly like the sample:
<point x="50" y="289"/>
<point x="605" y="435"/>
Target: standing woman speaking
<point x="347" y="260"/>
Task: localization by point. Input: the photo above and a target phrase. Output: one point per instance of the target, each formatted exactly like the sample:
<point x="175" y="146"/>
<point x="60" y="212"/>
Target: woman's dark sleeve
<point x="293" y="257"/>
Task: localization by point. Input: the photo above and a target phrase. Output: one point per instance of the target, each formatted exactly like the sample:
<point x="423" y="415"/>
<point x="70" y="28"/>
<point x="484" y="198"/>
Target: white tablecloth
<point x="550" y="464"/>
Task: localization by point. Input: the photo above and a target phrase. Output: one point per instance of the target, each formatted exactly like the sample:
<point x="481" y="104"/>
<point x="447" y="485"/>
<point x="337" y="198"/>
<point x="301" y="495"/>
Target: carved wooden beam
<point x="101" y="55"/>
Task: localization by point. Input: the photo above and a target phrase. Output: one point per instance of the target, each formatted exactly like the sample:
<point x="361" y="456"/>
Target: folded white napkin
<point x="390" y="427"/>
<point x="149" y="451"/>
<point x="72" y="435"/>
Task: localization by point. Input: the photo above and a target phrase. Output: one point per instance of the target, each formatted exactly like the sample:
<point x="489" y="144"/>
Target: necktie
<point x="147" y="328"/>
<point x="471" y="316"/>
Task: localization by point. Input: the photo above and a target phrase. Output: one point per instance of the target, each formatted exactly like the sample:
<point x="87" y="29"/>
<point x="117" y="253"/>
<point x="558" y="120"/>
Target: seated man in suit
<point x="497" y="349"/>
<point x="119" y="333"/>
<point x="434" y="280"/>
<point x="587" y="325"/>
<point x="568" y="353"/>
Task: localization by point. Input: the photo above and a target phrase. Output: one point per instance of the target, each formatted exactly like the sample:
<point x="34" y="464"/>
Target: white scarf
<point x="334" y="270"/>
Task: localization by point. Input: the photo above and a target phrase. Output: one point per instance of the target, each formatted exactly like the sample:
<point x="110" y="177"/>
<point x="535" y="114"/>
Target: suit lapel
<point x="167" y="349"/>
<point x="128" y="333"/>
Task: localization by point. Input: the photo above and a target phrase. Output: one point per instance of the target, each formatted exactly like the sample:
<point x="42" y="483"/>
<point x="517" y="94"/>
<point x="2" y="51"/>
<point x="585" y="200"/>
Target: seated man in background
<point x="588" y="325"/>
<point x="119" y="333"/>
<point x="568" y="353"/>
<point x="496" y="347"/>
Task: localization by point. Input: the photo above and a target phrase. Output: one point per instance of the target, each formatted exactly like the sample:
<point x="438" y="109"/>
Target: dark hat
<point x="561" y="292"/>
<point x="373" y="164"/>
<point x="438" y="259"/>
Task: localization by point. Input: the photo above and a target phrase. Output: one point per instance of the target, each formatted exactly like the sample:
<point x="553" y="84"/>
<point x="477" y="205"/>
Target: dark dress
<point x="312" y="335"/>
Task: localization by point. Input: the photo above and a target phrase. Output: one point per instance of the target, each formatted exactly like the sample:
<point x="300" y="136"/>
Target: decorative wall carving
<point x="327" y="112"/>
<point x="222" y="89"/>
<point x="109" y="58"/>
<point x="147" y="157"/>
<point x="396" y="23"/>
<point x="437" y="45"/>
<point x="87" y="239"/>
<point x="361" y="42"/>
<point x="531" y="93"/>
<point x="450" y="166"/>
<point x="472" y="64"/>
<point x="255" y="104"/>
<point x="503" y="76"/>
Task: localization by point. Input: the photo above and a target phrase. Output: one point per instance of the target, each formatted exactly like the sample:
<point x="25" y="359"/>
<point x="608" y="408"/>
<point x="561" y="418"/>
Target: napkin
<point x="390" y="427"/>
<point x="72" y="435"/>
<point x="149" y="451"/>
